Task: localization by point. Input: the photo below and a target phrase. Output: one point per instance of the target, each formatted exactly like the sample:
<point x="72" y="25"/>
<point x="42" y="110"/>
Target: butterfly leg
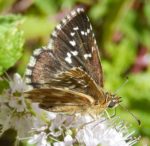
<point x="108" y="118"/>
<point x="93" y="120"/>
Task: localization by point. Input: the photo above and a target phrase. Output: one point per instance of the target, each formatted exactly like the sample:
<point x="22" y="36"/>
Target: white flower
<point x="68" y="141"/>
<point x="48" y="129"/>
<point x="59" y="123"/>
<point x="22" y="124"/>
<point x="13" y="109"/>
<point x="14" y="96"/>
<point x="103" y="133"/>
<point x="39" y="139"/>
<point x="17" y="84"/>
<point x="17" y="103"/>
<point x="59" y="144"/>
<point x="84" y="130"/>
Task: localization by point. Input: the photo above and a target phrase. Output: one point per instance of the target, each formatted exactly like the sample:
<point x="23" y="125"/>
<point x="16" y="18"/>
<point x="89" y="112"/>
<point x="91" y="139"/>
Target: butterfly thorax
<point x="112" y="100"/>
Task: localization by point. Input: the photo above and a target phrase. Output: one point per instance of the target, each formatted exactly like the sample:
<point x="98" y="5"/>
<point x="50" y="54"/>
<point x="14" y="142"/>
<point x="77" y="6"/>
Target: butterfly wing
<point x="73" y="41"/>
<point x="72" y="44"/>
<point x="72" y="48"/>
<point x="60" y="100"/>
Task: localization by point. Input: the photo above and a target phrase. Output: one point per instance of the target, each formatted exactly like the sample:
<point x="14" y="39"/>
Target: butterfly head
<point x="113" y="100"/>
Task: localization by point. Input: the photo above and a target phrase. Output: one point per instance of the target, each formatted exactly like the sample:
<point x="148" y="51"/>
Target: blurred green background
<point x="122" y="29"/>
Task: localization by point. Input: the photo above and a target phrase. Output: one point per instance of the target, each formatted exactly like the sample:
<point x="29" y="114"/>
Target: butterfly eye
<point x="112" y="104"/>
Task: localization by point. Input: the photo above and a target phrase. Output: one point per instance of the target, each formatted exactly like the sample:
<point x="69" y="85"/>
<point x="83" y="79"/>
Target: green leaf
<point x="99" y="10"/>
<point x="11" y="41"/>
<point x="3" y="85"/>
<point x="46" y="6"/>
<point x="5" y="5"/>
<point x="8" y="137"/>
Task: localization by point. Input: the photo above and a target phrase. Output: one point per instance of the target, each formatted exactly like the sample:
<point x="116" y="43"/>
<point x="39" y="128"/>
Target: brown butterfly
<point x="66" y="75"/>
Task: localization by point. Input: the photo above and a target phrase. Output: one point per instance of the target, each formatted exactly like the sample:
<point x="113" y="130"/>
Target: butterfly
<point x="66" y="75"/>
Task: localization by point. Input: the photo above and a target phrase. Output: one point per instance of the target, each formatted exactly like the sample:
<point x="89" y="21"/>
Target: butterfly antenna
<point x="125" y="82"/>
<point x="137" y="120"/>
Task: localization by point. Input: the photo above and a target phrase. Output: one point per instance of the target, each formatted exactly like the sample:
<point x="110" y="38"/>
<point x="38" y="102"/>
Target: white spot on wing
<point x="45" y="47"/>
<point x="82" y="32"/>
<point x="37" y="52"/>
<point x="72" y="86"/>
<point x="32" y="61"/>
<point x="72" y="33"/>
<point x="58" y="26"/>
<point x="50" y="54"/>
<point x="28" y="71"/>
<point x="88" y="30"/>
<point x="88" y="18"/>
<point x="93" y="48"/>
<point x="86" y="56"/>
<point x="85" y="86"/>
<point x="93" y="35"/>
<point x="68" y="54"/>
<point x="68" y="58"/>
<point x="54" y="34"/>
<point x="64" y="21"/>
<point x="80" y="10"/>
<point x="73" y="43"/>
<point x="29" y="87"/>
<point x="73" y="13"/>
<point x="76" y="28"/>
<point x="28" y="80"/>
<point x="68" y="17"/>
<point x="91" y="27"/>
<point x="75" y="53"/>
<point x="50" y="46"/>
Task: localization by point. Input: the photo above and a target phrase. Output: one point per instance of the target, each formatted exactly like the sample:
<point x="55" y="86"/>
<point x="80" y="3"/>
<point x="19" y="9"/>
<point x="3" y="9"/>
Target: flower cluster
<point x="15" y="112"/>
<point x="44" y="128"/>
<point x="65" y="130"/>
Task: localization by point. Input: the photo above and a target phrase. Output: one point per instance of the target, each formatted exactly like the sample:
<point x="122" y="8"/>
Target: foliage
<point x="11" y="41"/>
<point x="122" y="32"/>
